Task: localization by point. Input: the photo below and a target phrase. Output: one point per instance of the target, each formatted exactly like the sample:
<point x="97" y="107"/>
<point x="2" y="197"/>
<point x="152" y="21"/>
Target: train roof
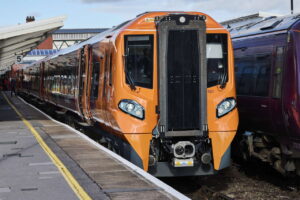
<point x="144" y="21"/>
<point x="266" y="25"/>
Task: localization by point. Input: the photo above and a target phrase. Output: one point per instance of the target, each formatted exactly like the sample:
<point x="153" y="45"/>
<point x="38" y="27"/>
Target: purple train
<point x="267" y="67"/>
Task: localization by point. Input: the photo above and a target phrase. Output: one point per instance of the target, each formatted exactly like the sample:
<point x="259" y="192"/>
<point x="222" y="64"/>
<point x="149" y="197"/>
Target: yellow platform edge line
<point x="76" y="187"/>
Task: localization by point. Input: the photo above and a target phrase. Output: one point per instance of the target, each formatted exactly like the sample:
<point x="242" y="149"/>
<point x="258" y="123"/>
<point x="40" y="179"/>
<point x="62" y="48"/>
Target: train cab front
<point x="181" y="146"/>
<point x="181" y="143"/>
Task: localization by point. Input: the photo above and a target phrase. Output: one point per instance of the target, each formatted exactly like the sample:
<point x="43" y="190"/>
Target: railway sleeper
<point x="213" y="195"/>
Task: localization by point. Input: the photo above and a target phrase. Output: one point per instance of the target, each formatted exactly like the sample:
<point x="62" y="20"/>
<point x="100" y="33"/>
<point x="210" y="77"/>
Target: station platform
<point x="41" y="158"/>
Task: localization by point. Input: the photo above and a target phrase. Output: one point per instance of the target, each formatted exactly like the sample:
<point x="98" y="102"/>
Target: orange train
<point x="160" y="87"/>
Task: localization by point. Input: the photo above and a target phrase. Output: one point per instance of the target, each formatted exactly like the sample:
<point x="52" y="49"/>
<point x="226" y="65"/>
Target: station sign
<point x="19" y="59"/>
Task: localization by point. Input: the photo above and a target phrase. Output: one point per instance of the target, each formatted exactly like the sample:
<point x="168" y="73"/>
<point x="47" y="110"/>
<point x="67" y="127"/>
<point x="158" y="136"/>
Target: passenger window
<point x="105" y="73"/>
<point x="277" y="73"/>
<point x="110" y="69"/>
<point x="139" y="60"/>
<point x="95" y="78"/>
<point x="263" y="65"/>
<point x="245" y="75"/>
<point x="253" y="75"/>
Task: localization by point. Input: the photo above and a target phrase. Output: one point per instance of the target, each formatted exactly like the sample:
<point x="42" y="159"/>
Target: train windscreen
<point x="216" y="54"/>
<point x="139" y="60"/>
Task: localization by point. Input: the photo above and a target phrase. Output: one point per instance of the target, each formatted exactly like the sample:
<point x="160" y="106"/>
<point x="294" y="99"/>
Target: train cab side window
<point x="139" y="60"/>
<point x="217" y="61"/>
<point x="277" y="72"/>
<point x="95" y="78"/>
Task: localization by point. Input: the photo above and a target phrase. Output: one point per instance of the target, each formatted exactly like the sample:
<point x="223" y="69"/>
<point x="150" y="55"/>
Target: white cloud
<point x="219" y="9"/>
<point x="101" y="1"/>
<point x="224" y="9"/>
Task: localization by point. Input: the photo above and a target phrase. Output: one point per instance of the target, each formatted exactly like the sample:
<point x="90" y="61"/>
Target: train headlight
<point x="226" y="106"/>
<point x="182" y="19"/>
<point x="132" y="108"/>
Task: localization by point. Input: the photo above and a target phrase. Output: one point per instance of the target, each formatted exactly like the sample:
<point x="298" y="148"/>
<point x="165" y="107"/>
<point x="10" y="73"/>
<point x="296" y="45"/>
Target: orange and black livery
<point x="160" y="87"/>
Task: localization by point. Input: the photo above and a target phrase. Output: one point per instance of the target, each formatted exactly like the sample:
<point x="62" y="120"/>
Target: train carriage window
<point x="245" y="75"/>
<point x="277" y="73"/>
<point x="95" y="78"/>
<point x="216" y="54"/>
<point x="253" y="75"/>
<point x="105" y="74"/>
<point x="263" y="63"/>
<point x="110" y="69"/>
<point x="139" y="60"/>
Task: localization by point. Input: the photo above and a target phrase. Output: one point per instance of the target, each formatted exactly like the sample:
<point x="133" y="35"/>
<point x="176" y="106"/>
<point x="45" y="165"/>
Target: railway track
<point x="240" y="181"/>
<point x="251" y="181"/>
<point x="209" y="193"/>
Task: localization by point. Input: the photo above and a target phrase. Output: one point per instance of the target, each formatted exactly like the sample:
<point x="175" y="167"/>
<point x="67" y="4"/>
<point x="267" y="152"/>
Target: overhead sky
<point x="107" y="13"/>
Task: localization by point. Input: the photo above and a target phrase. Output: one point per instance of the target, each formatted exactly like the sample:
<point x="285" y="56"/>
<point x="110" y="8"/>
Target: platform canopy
<point x="16" y="41"/>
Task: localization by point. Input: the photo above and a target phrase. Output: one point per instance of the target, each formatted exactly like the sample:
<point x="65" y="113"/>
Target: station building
<point x="60" y="39"/>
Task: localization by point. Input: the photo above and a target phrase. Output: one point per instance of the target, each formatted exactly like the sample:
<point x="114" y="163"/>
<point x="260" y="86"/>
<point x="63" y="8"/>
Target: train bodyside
<point x="145" y="114"/>
<point x="267" y="73"/>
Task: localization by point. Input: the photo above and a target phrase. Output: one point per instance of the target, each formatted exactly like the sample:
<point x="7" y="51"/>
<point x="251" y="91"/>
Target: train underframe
<point x="266" y="148"/>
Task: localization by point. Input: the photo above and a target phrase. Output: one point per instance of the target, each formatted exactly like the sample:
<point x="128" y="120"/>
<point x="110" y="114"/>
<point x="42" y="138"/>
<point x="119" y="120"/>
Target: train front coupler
<point x="180" y="151"/>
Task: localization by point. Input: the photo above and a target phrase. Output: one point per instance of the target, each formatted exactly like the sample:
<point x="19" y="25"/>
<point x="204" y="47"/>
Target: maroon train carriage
<point x="267" y="67"/>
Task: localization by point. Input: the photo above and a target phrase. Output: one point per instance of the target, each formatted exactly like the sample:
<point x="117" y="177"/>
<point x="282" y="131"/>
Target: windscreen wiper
<point x="128" y="75"/>
<point x="223" y="79"/>
<point x="130" y="80"/>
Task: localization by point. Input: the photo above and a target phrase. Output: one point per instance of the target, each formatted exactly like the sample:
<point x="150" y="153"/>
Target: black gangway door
<point x="182" y="75"/>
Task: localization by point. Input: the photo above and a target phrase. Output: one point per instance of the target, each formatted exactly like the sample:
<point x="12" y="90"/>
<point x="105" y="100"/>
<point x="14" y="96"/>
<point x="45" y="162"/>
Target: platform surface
<point x="27" y="172"/>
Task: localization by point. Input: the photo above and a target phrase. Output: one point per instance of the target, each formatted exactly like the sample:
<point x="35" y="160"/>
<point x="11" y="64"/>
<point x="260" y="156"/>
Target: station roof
<point x="84" y="30"/>
<point x="22" y="38"/>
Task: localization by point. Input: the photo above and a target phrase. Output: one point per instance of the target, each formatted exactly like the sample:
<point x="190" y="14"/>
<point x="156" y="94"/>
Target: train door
<point x="276" y="92"/>
<point x="83" y="77"/>
<point x="106" y="89"/>
<point x="95" y="81"/>
<point x="87" y="83"/>
<point x="100" y="114"/>
<point x="42" y="80"/>
<point x="21" y="86"/>
<point x="109" y="88"/>
<point x="183" y="77"/>
<point x="253" y="72"/>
